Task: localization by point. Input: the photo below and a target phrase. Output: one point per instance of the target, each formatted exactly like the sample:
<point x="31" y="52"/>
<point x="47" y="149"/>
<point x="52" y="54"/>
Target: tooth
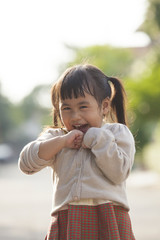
<point x="77" y="126"/>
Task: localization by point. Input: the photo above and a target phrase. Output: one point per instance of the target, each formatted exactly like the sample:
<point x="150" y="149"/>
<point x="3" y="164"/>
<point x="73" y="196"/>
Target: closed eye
<point x="83" y="107"/>
<point x="66" y="108"/>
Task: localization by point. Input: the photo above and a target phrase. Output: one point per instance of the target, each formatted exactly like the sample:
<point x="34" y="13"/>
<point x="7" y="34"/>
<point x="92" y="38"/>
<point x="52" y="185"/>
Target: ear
<point x="105" y="106"/>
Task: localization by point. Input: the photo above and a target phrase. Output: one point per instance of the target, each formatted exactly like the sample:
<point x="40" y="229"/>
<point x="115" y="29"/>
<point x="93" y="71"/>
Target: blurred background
<point x="38" y="40"/>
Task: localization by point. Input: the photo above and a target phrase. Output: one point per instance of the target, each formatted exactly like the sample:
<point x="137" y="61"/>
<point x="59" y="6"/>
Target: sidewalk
<point x="25" y="204"/>
<point x="144" y="198"/>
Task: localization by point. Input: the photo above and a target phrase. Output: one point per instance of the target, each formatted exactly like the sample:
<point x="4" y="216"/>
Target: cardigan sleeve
<point x="114" y="149"/>
<point x="29" y="161"/>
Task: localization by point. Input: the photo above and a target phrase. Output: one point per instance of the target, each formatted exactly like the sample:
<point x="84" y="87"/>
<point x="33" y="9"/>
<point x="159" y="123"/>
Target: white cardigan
<point x="98" y="172"/>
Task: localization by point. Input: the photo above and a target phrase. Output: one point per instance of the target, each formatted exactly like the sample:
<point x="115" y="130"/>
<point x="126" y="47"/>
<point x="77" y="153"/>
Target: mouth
<point x="83" y="128"/>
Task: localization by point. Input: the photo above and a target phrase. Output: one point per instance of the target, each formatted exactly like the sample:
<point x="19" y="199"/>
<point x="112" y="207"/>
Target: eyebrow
<point x="80" y="103"/>
<point x="83" y="102"/>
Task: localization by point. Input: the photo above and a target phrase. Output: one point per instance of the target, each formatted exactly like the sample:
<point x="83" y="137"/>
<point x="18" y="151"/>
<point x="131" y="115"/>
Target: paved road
<point x="25" y="204"/>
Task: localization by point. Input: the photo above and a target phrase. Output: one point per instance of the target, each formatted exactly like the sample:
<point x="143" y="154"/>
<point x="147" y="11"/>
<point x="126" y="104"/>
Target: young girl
<point x="91" y="159"/>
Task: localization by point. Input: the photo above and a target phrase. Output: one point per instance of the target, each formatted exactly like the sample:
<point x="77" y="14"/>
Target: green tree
<point x="151" y="24"/>
<point x="35" y="104"/>
<point x="7" y="120"/>
<point x="146" y="91"/>
<point x="113" y="61"/>
<point x="144" y="104"/>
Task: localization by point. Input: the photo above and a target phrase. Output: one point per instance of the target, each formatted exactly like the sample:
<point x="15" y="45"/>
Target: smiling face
<point x="80" y="98"/>
<point x="82" y="112"/>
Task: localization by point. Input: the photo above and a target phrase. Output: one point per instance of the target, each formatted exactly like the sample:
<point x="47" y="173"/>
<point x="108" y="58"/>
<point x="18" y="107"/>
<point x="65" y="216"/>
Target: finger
<point x="84" y="146"/>
<point x="80" y="137"/>
<point x="77" y="146"/>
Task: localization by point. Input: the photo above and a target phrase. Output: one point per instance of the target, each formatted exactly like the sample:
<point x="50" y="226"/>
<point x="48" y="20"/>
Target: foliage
<point x="31" y="108"/>
<point x="111" y="60"/>
<point x="34" y="102"/>
<point x="8" y="118"/>
<point x="145" y="103"/>
<point x="151" y="24"/>
<point x="146" y="91"/>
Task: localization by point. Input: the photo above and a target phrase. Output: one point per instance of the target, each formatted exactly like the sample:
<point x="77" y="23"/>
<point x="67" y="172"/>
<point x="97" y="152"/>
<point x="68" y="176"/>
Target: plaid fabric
<point x="102" y="222"/>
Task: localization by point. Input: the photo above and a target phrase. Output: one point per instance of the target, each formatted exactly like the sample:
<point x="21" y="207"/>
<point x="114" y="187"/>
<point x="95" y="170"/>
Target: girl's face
<point x="83" y="112"/>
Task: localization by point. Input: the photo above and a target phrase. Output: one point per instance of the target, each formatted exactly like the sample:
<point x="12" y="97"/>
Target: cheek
<point x="99" y="117"/>
<point x="64" y="118"/>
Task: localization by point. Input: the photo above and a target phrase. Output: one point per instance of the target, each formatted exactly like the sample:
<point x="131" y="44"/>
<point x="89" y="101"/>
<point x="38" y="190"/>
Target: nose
<point x="75" y="116"/>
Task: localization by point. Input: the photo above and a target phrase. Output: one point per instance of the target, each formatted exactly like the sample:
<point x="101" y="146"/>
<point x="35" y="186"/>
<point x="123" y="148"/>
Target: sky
<point x="33" y="35"/>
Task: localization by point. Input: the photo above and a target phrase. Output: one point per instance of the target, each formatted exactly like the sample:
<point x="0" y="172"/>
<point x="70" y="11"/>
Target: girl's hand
<point x="74" y="139"/>
<point x="84" y="146"/>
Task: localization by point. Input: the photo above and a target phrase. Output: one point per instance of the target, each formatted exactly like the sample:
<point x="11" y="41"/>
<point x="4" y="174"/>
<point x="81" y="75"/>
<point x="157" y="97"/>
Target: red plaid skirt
<point x="102" y="222"/>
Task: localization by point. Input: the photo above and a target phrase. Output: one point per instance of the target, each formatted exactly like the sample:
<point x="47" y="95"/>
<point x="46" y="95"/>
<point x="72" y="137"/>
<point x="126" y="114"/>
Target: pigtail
<point x="55" y="120"/>
<point x="55" y="103"/>
<point x="118" y="100"/>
